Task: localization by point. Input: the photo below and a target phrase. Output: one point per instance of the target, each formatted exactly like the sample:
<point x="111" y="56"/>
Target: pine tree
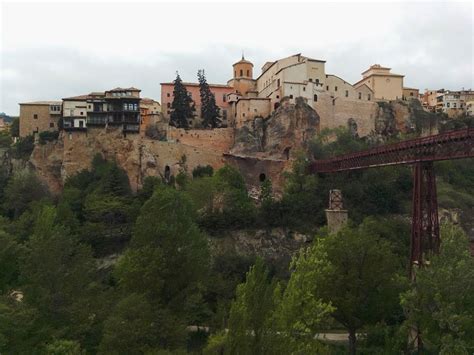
<point x="181" y="106"/>
<point x="209" y="109"/>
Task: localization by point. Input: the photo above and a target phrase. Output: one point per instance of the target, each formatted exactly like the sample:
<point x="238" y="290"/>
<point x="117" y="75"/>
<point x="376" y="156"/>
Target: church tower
<point x="243" y="69"/>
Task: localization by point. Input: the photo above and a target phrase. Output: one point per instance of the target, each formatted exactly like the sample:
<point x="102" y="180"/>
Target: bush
<point x="23" y="147"/>
<point x="201" y="171"/>
<point x="5" y="140"/>
<point x="48" y="136"/>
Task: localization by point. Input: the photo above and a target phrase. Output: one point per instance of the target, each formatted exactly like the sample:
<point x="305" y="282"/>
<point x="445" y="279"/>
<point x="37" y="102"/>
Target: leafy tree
<point x="250" y="324"/>
<point x="23" y="148"/>
<point x="209" y="109"/>
<point x="61" y="347"/>
<point x="441" y="304"/>
<point x="167" y="264"/>
<point x="5" y="139"/>
<point x="58" y="276"/>
<point x="356" y="271"/>
<point x="15" y="127"/>
<point x="11" y="253"/>
<point x="182" y="105"/>
<point x="21" y="190"/>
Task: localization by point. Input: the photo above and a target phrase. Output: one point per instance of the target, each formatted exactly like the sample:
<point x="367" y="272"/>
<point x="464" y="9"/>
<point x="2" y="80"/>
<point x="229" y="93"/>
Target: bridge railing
<point x="449" y="145"/>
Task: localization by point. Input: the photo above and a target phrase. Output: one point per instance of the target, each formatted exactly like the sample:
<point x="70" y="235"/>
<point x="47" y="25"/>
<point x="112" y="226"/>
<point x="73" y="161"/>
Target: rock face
<point x="277" y="246"/>
<point x="288" y="129"/>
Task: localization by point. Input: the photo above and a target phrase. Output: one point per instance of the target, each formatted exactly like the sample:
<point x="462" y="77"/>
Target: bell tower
<point x="243" y="69"/>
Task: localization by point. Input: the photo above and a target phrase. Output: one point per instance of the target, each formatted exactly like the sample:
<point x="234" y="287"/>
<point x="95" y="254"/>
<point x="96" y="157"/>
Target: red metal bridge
<point x="421" y="152"/>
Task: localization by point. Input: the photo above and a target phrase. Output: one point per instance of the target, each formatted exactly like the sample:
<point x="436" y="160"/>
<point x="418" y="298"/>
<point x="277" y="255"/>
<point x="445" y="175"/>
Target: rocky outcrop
<point x="288" y="129"/>
<point x="277" y="245"/>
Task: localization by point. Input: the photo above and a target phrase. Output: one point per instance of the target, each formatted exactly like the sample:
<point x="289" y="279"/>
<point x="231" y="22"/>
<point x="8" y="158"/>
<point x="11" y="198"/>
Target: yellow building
<point x="411" y="93"/>
<point x="39" y="116"/>
<point x="384" y="84"/>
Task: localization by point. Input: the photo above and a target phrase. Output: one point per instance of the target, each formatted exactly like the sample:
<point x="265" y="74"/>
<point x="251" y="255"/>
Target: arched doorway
<point x="262" y="177"/>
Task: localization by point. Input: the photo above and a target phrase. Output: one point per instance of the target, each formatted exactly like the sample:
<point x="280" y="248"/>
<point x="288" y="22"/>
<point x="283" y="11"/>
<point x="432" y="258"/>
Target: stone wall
<point x="219" y="139"/>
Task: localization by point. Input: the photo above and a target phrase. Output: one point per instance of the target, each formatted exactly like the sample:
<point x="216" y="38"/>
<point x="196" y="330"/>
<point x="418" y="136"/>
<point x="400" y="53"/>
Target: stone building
<point x="39" y="116"/>
<point x="384" y="84"/>
<point x="411" y="94"/>
<point x="150" y="112"/>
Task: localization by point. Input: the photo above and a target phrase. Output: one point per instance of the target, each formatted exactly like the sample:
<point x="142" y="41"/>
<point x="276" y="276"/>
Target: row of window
<point x="315" y="97"/>
<point x="447" y="104"/>
<point x="130" y="106"/>
<point x="241" y="73"/>
<point x="55" y="108"/>
<point x="122" y="93"/>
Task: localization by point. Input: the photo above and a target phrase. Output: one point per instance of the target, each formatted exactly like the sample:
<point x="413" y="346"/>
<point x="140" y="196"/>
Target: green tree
<point x="58" y="276"/>
<point x="209" y="110"/>
<point x="182" y="105"/>
<point x="356" y="271"/>
<point x="21" y="190"/>
<point x="11" y="253"/>
<point x="250" y="327"/>
<point x="15" y="127"/>
<point x="167" y="264"/>
<point x="440" y="303"/>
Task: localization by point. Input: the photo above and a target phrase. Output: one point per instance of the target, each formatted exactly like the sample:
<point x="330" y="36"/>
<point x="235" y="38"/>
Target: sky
<point x="49" y="51"/>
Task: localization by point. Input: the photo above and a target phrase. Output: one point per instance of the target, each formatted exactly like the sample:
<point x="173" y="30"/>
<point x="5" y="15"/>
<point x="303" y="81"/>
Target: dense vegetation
<point x="100" y="269"/>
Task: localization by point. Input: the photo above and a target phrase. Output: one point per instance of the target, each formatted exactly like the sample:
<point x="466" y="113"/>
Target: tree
<point x="10" y="260"/>
<point x="181" y="107"/>
<point x="356" y="271"/>
<point x="167" y="265"/>
<point x="251" y="313"/>
<point x="209" y="109"/>
<point x="15" y="127"/>
<point x="440" y="304"/>
<point x="22" y="189"/>
<point x="58" y="275"/>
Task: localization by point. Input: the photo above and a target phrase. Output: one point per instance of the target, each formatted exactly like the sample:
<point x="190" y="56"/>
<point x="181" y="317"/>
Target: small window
<point x="241" y="72"/>
<point x="278" y="96"/>
<point x="168" y="112"/>
<point x="291" y="96"/>
<point x="347" y="93"/>
<point x="310" y="80"/>
<point x="317" y="81"/>
<point x="168" y="95"/>
<point x="224" y="98"/>
<point x="248" y="72"/>
<point x="51" y="124"/>
<point x="243" y="114"/>
<point x="327" y="88"/>
<point x="315" y="98"/>
<point x="278" y="82"/>
<point x="454" y="105"/>
<point x="235" y="72"/>
<point x="368" y="97"/>
<point x="35" y="116"/>
<point x="335" y="88"/>
<point x="82" y="113"/>
<point x="360" y="95"/>
<point x="304" y="88"/>
<point x="447" y="105"/>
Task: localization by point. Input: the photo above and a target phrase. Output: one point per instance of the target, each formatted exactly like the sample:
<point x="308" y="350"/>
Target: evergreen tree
<point x="181" y="106"/>
<point x="209" y="109"/>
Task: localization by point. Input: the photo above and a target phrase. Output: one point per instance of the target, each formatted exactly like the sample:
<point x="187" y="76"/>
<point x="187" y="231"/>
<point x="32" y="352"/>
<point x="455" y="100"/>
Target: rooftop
<point x="124" y="89"/>
<point x="42" y="103"/>
<point x="197" y="84"/>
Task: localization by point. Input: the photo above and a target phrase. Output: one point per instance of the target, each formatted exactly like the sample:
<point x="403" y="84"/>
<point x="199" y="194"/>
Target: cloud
<point x="430" y="43"/>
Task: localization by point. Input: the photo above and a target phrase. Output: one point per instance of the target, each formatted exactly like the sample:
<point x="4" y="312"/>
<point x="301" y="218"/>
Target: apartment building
<point x="39" y="116"/>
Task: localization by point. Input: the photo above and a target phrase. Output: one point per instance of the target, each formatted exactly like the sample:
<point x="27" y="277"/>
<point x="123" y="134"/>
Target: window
<point x="335" y="88"/>
<point x="310" y="80"/>
<point x="51" y="124"/>
<point x="82" y="113"/>
<point x="125" y="106"/>
<point x="333" y="102"/>
<point x="81" y="124"/>
<point x="235" y="72"/>
<point x="368" y="97"/>
<point x="347" y="93"/>
<point x="454" y="105"/>
<point x="35" y="116"/>
<point x="278" y="82"/>
<point x="241" y="72"/>
<point x="168" y="112"/>
<point x="360" y="95"/>
<point x="224" y="98"/>
<point x="304" y="88"/>
<point x="317" y="81"/>
<point x="291" y="96"/>
<point x="168" y="95"/>
<point x="315" y="98"/>
<point x="447" y="105"/>
<point x="411" y="94"/>
<point x="248" y="72"/>
<point x="243" y="114"/>
<point x="327" y="87"/>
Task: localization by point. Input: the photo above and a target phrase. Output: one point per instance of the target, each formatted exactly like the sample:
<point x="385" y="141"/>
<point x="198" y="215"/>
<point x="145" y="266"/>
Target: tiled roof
<point x="42" y="103"/>
<point x="77" y="98"/>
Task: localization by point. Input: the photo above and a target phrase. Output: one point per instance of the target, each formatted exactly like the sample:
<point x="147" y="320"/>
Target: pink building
<point x="220" y="92"/>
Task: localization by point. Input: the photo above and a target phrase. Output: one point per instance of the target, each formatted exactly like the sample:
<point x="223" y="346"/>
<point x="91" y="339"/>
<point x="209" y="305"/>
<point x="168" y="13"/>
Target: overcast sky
<point x="52" y="50"/>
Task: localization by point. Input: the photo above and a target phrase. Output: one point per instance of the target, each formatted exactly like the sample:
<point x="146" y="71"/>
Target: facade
<point x="410" y="94"/>
<point x="384" y="84"/>
<point x="123" y="109"/>
<point x="75" y="113"/>
<point x="39" y="116"/>
<point x="219" y="91"/>
<point x="470" y="108"/>
<point x="150" y="112"/>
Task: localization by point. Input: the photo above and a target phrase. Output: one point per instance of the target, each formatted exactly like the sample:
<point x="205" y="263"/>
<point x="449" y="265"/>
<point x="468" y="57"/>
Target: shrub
<point x="201" y="171"/>
<point x="23" y="147"/>
<point x="48" y="136"/>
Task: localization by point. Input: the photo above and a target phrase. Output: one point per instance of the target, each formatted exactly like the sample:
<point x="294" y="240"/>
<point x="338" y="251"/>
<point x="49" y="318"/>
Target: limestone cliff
<point x="288" y="129"/>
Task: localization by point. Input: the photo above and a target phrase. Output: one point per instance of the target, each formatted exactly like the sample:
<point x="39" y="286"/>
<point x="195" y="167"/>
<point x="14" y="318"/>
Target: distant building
<point x="150" y="112"/>
<point x="123" y="109"/>
<point x="384" y="84"/>
<point x="410" y="94"/>
<point x="220" y="92"/>
<point x="39" y="116"/>
<point x="3" y="125"/>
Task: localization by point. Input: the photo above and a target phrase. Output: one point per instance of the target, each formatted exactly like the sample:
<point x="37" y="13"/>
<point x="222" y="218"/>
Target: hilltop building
<point x="384" y="84"/>
<point x="452" y="103"/>
<point x="39" y="116"/>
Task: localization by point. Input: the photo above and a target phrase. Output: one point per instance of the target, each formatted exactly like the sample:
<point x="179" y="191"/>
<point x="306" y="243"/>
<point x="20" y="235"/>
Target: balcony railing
<point x="97" y="120"/>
